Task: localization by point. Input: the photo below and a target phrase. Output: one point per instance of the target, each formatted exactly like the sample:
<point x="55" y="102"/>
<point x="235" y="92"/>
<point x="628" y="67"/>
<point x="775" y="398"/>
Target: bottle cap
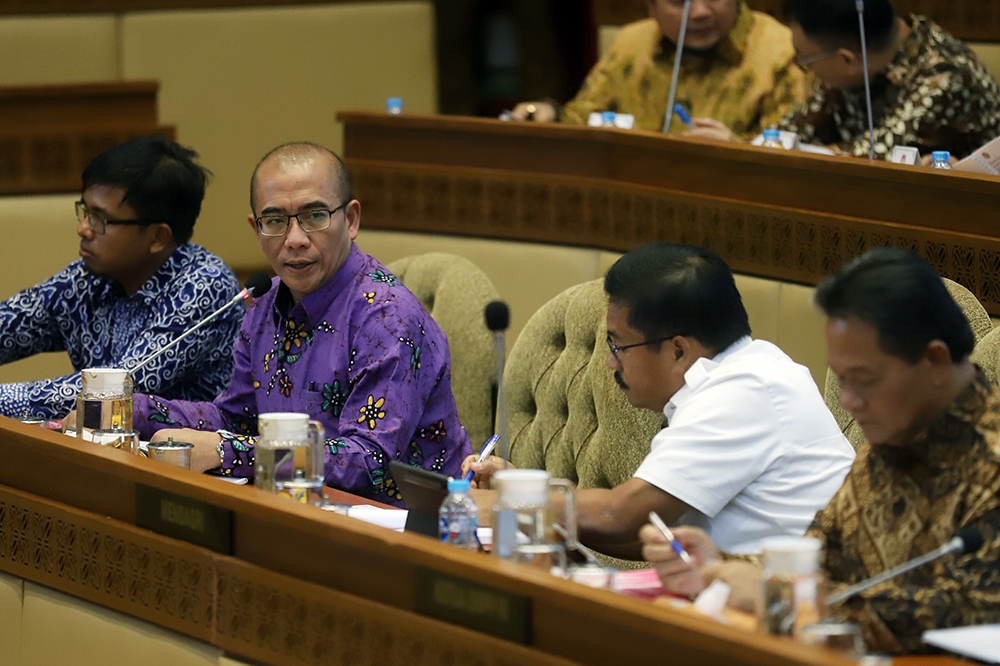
<point x="772" y="134"/>
<point x="941" y="156"/>
<point x="458" y="486"/>
<point x="283" y="426"/>
<point x="394" y="103"/>
<point x="523" y="486"/>
<point x="105" y="380"/>
<point x="608" y="116"/>
<point x="791" y="555"/>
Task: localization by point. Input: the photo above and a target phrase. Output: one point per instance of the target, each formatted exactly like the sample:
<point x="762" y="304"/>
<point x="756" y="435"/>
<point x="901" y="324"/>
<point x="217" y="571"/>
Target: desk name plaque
<point x="184" y="518"/>
<point x="473" y="605"/>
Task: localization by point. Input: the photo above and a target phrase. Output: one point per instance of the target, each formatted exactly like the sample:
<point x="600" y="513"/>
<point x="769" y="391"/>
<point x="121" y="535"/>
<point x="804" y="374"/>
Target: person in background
<point x="339" y="338"/>
<point x="899" y="346"/>
<point x="139" y="282"/>
<point x="929" y="90"/>
<point x="738" y="67"/>
<point x="751" y="450"/>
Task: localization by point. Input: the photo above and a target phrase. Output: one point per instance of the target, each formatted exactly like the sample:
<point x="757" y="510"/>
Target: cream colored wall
<point x="11" y="610"/>
<point x="60" y="49"/>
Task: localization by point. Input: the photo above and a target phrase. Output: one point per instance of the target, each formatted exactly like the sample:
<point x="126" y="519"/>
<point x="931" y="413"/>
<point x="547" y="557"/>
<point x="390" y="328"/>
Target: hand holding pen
<point x="674" y="543"/>
<point x="484" y="454"/>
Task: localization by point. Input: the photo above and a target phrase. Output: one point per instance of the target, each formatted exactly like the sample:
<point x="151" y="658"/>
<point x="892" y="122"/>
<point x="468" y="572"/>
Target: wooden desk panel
<point x="306" y="586"/>
<point x="789" y="216"/>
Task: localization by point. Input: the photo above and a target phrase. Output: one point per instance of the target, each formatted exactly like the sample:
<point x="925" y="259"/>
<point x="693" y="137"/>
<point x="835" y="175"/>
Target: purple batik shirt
<point x="362" y="356"/>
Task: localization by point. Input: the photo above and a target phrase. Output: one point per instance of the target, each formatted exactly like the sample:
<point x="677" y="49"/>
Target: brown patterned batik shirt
<point x="899" y="502"/>
<point x="935" y="95"/>
<point x="748" y="81"/>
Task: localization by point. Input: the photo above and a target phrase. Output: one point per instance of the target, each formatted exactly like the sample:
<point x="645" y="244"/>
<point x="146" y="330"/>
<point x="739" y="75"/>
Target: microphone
<point x="677" y="66"/>
<point x="258" y="285"/>
<point x="497" y="320"/>
<point x="968" y="540"/>
<point x="868" y="85"/>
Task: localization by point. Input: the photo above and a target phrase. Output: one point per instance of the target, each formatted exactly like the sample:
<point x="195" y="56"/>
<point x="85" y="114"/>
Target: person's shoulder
<point x="770" y="38"/>
<point x="384" y="294"/>
<point x="637" y="37"/>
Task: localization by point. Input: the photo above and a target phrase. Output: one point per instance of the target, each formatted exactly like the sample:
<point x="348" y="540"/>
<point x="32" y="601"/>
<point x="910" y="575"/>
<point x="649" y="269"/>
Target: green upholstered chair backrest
<point x="565" y="413"/>
<point x="455" y="292"/>
<point x="985" y="354"/>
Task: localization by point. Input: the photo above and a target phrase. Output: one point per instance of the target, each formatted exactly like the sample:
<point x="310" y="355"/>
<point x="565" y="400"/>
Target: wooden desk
<point x="788" y="216"/>
<point x="49" y="133"/>
<point x="306" y="586"/>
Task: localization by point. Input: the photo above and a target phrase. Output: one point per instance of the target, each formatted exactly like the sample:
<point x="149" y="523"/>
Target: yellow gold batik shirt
<point x="748" y="81"/>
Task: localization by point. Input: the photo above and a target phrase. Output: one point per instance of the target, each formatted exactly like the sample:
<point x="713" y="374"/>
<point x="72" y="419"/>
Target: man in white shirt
<point x="751" y="450"/>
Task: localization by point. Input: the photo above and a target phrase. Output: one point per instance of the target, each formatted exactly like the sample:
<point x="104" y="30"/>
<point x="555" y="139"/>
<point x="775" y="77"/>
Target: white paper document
<point x="985" y="159"/>
<point x="980" y="642"/>
<point x="394" y="519"/>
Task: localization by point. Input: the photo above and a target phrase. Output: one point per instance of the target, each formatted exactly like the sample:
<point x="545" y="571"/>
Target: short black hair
<point x="902" y="296"/>
<point x="161" y="180"/>
<point x="299" y="150"/>
<point x="834" y="23"/>
<point x="675" y="289"/>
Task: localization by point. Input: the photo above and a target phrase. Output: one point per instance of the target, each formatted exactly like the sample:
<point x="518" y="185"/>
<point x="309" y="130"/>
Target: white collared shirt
<point x="751" y="447"/>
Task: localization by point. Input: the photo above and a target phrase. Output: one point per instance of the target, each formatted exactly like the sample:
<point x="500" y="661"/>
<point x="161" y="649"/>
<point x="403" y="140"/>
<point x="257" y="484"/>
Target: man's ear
<point x="849" y="57"/>
<point x="163" y="236"/>
<point x="253" y="223"/>
<point x="651" y="7"/>
<point x="938" y="354"/>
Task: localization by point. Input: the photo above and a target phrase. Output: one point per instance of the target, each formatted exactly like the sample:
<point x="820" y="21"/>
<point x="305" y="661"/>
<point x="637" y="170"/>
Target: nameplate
<point x="473" y="605"/>
<point x="184" y="518"/>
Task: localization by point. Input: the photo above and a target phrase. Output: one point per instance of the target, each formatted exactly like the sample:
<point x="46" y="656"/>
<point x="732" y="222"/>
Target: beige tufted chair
<point x="455" y="291"/>
<point x="985" y="354"/>
<point x="565" y="414"/>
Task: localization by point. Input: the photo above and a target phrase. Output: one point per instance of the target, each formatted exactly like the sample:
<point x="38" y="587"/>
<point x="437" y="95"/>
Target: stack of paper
<point x="981" y="642"/>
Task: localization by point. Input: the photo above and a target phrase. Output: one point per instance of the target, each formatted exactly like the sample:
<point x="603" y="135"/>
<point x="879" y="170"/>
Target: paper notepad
<point x="980" y="642"/>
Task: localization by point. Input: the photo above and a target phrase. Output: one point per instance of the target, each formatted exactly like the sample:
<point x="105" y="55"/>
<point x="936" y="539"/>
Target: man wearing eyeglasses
<point x="737" y="67"/>
<point x="929" y="90"/>
<point x="138" y="283"/>
<point x="339" y="338"/>
<point x="751" y="450"/>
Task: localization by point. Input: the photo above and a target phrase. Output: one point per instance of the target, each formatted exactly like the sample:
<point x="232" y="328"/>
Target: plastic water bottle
<point x="772" y="139"/>
<point x="941" y="159"/>
<point x="394" y="106"/>
<point x="608" y="118"/>
<point x="458" y="518"/>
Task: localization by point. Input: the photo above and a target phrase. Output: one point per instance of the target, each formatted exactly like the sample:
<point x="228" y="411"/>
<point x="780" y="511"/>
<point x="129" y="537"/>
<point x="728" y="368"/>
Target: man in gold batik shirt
<point x="737" y="67"/>
<point x="931" y="465"/>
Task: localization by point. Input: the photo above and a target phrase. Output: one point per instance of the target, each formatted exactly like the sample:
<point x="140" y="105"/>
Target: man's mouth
<point x="85" y="252"/>
<point x="621" y="382"/>
<point x="298" y="266"/>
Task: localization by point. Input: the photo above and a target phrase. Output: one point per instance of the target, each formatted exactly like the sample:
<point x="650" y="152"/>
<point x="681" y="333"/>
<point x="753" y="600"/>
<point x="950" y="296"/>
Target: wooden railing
<point x="48" y="134"/>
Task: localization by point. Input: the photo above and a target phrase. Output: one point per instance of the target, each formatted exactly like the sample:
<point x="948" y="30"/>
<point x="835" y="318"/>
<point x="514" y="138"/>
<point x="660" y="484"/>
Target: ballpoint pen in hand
<point x="484" y="454"/>
<point x="674" y="543"/>
<point x="683" y="115"/>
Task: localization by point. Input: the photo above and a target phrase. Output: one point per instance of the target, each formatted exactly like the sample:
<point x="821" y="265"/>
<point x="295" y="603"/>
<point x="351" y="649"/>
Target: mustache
<point x="621" y="382"/>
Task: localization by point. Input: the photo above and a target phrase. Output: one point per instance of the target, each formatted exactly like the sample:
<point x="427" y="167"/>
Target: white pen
<point x="484" y="454"/>
<point x="674" y="543"/>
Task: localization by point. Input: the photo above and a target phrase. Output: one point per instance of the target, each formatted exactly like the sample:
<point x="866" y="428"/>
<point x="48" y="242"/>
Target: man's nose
<point x="296" y="236"/>
<point x="84" y="230"/>
<point x="699" y="9"/>
<point x="850" y="400"/>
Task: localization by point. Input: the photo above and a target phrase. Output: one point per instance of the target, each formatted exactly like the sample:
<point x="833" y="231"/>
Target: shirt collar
<point x="698" y="374"/>
<point x="315" y="306"/>
<point x="731" y="47"/>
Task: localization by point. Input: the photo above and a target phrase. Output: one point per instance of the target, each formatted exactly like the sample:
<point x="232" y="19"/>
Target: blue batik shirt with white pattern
<point x="100" y="326"/>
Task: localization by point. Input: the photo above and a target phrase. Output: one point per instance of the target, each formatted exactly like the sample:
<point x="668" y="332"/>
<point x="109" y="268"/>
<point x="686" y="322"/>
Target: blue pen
<point x="682" y="114"/>
<point x="674" y="543"/>
<point x="484" y="454"/>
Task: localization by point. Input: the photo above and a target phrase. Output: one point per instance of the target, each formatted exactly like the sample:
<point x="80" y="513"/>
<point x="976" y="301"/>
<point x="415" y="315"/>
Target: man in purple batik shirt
<point x="338" y="338"/>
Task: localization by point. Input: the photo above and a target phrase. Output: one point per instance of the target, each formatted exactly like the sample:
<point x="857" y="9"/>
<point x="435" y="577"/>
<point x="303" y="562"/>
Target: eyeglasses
<point x="809" y="60"/>
<point x="615" y="348"/>
<point x="99" y="223"/>
<point x="314" y="219"/>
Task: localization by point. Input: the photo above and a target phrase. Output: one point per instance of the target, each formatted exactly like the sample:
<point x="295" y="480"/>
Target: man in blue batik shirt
<point x="138" y="284"/>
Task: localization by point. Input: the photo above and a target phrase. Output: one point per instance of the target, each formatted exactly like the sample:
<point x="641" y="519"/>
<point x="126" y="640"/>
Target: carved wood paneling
<point x="15" y="7"/>
<point x="977" y="20"/>
<point x="755" y="239"/>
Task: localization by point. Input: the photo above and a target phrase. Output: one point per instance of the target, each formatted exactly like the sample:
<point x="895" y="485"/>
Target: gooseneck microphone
<point x="868" y="83"/>
<point x="497" y="320"/>
<point x="677" y="67"/>
<point x="968" y="540"/>
<point x="258" y="285"/>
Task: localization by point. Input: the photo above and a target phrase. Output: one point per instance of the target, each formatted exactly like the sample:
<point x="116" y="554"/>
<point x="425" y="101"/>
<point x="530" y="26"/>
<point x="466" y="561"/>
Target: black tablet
<point x="423" y="492"/>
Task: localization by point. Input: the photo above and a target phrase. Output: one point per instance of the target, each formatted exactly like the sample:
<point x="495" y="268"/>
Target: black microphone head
<point x="972" y="539"/>
<point x="497" y="316"/>
<point x="258" y="284"/>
